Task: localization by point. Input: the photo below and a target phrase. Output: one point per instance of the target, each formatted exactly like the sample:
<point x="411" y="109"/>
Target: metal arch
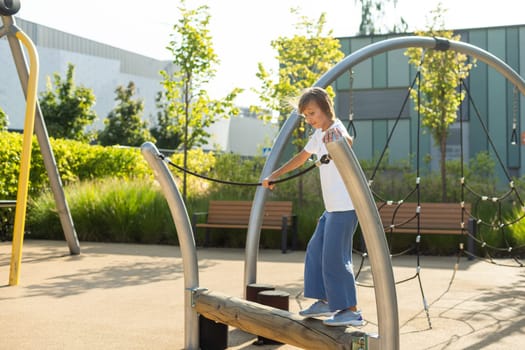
<point x="388" y="335"/>
<point x="422" y="42"/>
<point x="186" y="241"/>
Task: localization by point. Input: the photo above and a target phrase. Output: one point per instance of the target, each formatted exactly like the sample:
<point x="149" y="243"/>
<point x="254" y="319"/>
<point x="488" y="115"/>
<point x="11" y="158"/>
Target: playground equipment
<point x="339" y="69"/>
<point x="269" y="321"/>
<point x="33" y="122"/>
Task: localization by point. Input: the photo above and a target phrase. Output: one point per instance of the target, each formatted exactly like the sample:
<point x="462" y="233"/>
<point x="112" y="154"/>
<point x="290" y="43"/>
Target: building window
<point x="373" y="104"/>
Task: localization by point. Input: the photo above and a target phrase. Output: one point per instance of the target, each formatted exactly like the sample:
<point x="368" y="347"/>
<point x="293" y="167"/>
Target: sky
<point x="242" y="30"/>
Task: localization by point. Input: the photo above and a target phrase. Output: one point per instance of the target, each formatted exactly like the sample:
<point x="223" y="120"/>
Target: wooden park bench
<point x="278" y="215"/>
<point x="435" y="218"/>
<point x="6" y="218"/>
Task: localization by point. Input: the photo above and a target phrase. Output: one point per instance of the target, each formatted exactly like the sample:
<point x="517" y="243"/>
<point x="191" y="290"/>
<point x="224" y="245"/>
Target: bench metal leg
<point x="294" y="233"/>
<point x="207" y="238"/>
<point x="284" y="235"/>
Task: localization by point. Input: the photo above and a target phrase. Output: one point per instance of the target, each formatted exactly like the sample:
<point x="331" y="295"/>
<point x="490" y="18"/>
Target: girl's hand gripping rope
<point x="268" y="183"/>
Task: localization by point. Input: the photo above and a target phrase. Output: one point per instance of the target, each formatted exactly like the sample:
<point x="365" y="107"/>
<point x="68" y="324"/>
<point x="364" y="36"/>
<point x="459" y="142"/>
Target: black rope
<point x="398" y="118"/>
<point x="351" y="127"/>
<point x="486" y="131"/>
<point x="325" y="159"/>
<point x="498" y="225"/>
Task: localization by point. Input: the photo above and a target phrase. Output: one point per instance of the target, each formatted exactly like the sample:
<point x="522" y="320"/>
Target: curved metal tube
<point x="252" y="241"/>
<point x="254" y="225"/>
<point x="25" y="161"/>
<point x="377" y="246"/>
<point x="186" y="241"/>
<point x="43" y="139"/>
<point x="405" y="42"/>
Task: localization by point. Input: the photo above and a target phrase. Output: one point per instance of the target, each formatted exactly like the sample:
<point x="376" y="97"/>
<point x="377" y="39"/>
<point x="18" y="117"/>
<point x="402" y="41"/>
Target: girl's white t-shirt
<point x="335" y="195"/>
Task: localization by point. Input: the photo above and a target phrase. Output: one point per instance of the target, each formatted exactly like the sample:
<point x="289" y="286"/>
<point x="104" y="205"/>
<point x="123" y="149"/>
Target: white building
<point x="103" y="68"/>
<point x="245" y="135"/>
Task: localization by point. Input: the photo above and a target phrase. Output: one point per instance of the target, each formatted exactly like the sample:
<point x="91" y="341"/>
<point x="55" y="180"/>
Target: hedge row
<point x="76" y="161"/>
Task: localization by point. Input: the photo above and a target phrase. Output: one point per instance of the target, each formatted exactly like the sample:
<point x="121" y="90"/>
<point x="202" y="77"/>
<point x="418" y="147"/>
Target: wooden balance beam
<point x="276" y="324"/>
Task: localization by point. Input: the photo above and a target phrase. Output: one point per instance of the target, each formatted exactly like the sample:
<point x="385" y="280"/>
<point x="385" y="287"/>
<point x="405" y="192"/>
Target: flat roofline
<point x="412" y="32"/>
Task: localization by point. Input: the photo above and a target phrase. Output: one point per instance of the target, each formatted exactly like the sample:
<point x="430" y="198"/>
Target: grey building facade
<point x="98" y="66"/>
<point x="379" y="85"/>
<point x="103" y="68"/>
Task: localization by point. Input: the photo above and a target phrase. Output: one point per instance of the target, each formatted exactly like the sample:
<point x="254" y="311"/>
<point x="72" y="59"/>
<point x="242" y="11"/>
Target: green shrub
<point x="76" y="161"/>
<point x="10" y="153"/>
<point x="112" y="196"/>
<point x="200" y="163"/>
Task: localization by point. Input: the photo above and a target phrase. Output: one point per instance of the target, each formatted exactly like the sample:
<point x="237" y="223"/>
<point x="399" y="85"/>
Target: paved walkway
<point x="125" y="296"/>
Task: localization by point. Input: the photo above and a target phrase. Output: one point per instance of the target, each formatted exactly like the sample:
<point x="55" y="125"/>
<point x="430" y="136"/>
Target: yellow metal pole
<point x="25" y="162"/>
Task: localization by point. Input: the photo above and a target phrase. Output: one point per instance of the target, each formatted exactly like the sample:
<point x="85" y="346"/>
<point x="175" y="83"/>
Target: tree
<point x="302" y="60"/>
<point x="164" y="130"/>
<point x="67" y="109"/>
<point x="124" y="125"/>
<point x="4" y="120"/>
<point x="188" y="102"/>
<point x="439" y="97"/>
<point x="372" y="12"/>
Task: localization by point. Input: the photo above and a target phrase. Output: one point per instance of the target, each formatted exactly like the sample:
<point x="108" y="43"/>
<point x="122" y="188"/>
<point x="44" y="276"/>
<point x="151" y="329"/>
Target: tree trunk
<point x="443" y="158"/>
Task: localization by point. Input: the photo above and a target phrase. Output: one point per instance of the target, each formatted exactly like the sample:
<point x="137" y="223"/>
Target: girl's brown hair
<point x="319" y="96"/>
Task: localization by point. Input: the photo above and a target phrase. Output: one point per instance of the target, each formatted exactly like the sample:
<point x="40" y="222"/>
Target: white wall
<point x="103" y="68"/>
<point x="244" y="136"/>
<point x="103" y="75"/>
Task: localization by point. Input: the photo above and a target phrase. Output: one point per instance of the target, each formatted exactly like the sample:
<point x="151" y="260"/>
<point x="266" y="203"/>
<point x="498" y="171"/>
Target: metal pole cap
<point x="9" y="7"/>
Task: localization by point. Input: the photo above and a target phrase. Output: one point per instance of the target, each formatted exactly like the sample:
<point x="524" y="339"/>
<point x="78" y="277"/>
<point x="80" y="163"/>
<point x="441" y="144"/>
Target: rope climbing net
<point x="483" y="215"/>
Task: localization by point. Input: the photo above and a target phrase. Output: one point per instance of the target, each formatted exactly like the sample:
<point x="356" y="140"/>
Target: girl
<point x="328" y="273"/>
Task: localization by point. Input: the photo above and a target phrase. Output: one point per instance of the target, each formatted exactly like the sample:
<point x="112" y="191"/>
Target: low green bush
<point x="112" y="196"/>
<point x="76" y="161"/>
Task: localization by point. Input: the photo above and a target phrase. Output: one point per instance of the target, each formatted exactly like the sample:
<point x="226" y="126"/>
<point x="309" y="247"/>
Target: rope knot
<point x="325" y="159"/>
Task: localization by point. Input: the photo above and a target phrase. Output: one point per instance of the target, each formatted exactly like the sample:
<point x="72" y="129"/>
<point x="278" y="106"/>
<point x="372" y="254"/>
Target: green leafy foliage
<point x="515" y="234"/>
<point x="67" y="109"/>
<point x="124" y="124"/>
<point x="372" y="18"/>
<point x="437" y="97"/>
<point x="4" y="120"/>
<point x="164" y="131"/>
<point x="302" y="60"/>
<point x="10" y="154"/>
<point x="76" y="161"/>
<point x="107" y="210"/>
<point x="198" y="162"/>
<point x="188" y="103"/>
<point x="112" y="196"/>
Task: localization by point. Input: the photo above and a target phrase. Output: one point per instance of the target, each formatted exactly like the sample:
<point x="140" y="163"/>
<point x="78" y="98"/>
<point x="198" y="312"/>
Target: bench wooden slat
<point x="435" y="218"/>
<point x="236" y="215"/>
<point x="236" y="226"/>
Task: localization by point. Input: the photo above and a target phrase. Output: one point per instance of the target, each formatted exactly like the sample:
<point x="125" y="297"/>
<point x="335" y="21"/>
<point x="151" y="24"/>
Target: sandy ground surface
<point x="125" y="296"/>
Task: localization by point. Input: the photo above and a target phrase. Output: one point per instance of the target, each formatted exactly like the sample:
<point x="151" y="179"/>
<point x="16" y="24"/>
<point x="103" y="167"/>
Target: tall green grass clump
<point x="107" y="210"/>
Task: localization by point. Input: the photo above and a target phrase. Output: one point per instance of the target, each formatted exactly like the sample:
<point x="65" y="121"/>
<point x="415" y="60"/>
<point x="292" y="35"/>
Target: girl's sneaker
<point x="345" y="318"/>
<point x="317" y="309"/>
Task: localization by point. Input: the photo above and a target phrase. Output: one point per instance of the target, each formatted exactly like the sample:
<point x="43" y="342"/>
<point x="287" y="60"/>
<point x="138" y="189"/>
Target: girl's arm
<point x="294" y="163"/>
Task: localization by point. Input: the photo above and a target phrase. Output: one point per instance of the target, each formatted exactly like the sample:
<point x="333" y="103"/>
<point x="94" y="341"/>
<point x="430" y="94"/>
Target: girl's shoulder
<point x="339" y="125"/>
